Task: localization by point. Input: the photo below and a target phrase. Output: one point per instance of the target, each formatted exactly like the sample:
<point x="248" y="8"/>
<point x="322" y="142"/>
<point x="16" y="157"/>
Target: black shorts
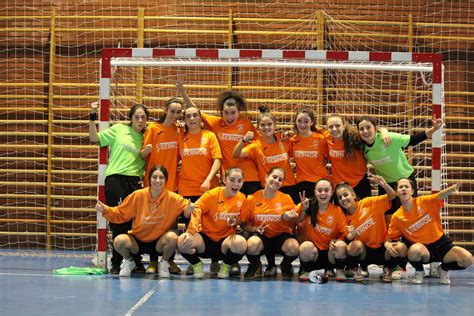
<point x="437" y="249"/>
<point x="321" y="263"/>
<point x="250" y="187"/>
<point x="147" y="247"/>
<point x="396" y="201"/>
<point x="374" y="256"/>
<point x="363" y="189"/>
<point x="212" y="249"/>
<point x="295" y="190"/>
<point x="273" y="245"/>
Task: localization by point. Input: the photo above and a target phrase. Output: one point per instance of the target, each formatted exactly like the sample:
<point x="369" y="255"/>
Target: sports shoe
<point x="340" y="275"/>
<point x="197" y="270"/>
<point x="304" y="276"/>
<point x="364" y="271"/>
<point x="348" y="272"/>
<point x="270" y="272"/>
<point x="115" y="269"/>
<point x="434" y="269"/>
<point x="357" y="275"/>
<point x="223" y="271"/>
<point x="127" y="267"/>
<point x="253" y="271"/>
<point x="443" y="276"/>
<point x="215" y="267"/>
<point x="189" y="270"/>
<point x="174" y="268"/>
<point x="234" y="270"/>
<point x="152" y="268"/>
<point x="329" y="273"/>
<point x="286" y="269"/>
<point x="139" y="269"/>
<point x="418" y="278"/>
<point x="398" y="273"/>
<point x="164" y="269"/>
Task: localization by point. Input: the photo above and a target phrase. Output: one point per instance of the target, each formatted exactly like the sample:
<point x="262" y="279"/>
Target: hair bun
<point x="263" y="109"/>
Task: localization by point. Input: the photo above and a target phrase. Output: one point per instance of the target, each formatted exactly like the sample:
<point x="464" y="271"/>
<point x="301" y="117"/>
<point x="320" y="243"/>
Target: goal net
<point x="402" y="90"/>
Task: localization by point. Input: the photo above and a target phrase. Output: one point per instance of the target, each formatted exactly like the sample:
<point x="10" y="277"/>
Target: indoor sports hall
<point x="401" y="62"/>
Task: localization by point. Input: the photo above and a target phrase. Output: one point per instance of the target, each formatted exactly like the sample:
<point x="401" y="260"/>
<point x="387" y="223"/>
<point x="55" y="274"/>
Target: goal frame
<point x="111" y="57"/>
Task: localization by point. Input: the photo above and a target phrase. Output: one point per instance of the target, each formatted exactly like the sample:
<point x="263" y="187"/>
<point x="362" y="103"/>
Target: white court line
<point x="143" y="300"/>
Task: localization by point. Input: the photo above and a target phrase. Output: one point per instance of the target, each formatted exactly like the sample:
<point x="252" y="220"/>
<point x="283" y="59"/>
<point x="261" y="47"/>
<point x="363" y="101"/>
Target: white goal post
<point x="263" y="58"/>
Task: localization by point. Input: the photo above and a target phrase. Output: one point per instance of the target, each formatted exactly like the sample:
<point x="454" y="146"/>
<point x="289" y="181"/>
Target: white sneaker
<point x="418" y="278"/>
<point x="164" y="269"/>
<point x="340" y="275"/>
<point x="127" y="267"/>
<point x="443" y="276"/>
<point x="398" y="273"/>
<point x="434" y="272"/>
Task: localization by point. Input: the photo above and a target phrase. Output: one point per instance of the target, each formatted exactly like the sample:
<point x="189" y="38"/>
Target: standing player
<point x="125" y="167"/>
<point x="212" y="230"/>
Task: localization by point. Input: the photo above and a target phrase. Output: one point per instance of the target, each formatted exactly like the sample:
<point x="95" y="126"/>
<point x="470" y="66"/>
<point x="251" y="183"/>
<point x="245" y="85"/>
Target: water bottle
<point x="315" y="277"/>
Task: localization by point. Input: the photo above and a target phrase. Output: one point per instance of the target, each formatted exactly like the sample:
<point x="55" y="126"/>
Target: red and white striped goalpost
<point x="133" y="57"/>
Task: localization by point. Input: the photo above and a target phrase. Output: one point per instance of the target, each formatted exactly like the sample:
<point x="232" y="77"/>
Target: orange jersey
<point x="212" y="211"/>
<point x="228" y="137"/>
<point x="258" y="210"/>
<point x="329" y="225"/>
<point x="369" y="220"/>
<point x="267" y="156"/>
<point x="165" y="152"/>
<point x="151" y="217"/>
<point x="351" y="169"/>
<point x="421" y="224"/>
<point x="309" y="154"/>
<point x="197" y="152"/>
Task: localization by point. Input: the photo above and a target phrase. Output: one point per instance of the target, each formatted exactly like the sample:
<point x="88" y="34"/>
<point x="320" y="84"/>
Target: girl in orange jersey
<point x="418" y="222"/>
<point x="325" y="227"/>
<point x="160" y="147"/>
<point x="154" y="211"/>
<point x="212" y="229"/>
<point x="267" y="151"/>
<point x="270" y="215"/>
<point x="347" y="161"/>
<point x="309" y="151"/>
<point x="229" y="128"/>
<point x="200" y="155"/>
<point x="367" y="228"/>
<point x="160" y="144"/>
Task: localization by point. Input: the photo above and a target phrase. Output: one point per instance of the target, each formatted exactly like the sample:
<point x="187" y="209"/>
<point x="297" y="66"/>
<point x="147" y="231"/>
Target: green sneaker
<point x="223" y="271"/>
<point x="198" y="270"/>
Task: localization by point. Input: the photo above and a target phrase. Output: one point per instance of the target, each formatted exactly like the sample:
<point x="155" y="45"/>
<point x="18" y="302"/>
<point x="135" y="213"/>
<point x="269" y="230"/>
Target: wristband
<point x="93" y="116"/>
<point x="243" y="140"/>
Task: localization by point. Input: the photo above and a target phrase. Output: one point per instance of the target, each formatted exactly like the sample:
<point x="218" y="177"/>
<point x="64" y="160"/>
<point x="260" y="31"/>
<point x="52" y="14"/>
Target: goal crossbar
<point x="203" y="57"/>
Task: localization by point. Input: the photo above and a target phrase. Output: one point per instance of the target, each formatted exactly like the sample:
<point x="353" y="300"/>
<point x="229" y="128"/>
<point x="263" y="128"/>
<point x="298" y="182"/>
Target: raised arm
<point x="448" y="191"/>
<point x="93" y="135"/>
<point x="381" y="181"/>
<point x="182" y="92"/>
<point x="238" y="153"/>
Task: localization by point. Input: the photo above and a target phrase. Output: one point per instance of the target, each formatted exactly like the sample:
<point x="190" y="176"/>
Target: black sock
<point x="451" y="266"/>
<point x="288" y="259"/>
<point x="270" y="259"/>
<point x="397" y="261"/>
<point x="138" y="259"/>
<point x="352" y="261"/>
<point x="340" y="263"/>
<point x="418" y="265"/>
<point x="230" y="257"/>
<point x="253" y="259"/>
<point x="152" y="258"/>
<point x="307" y="266"/>
<point x="193" y="259"/>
